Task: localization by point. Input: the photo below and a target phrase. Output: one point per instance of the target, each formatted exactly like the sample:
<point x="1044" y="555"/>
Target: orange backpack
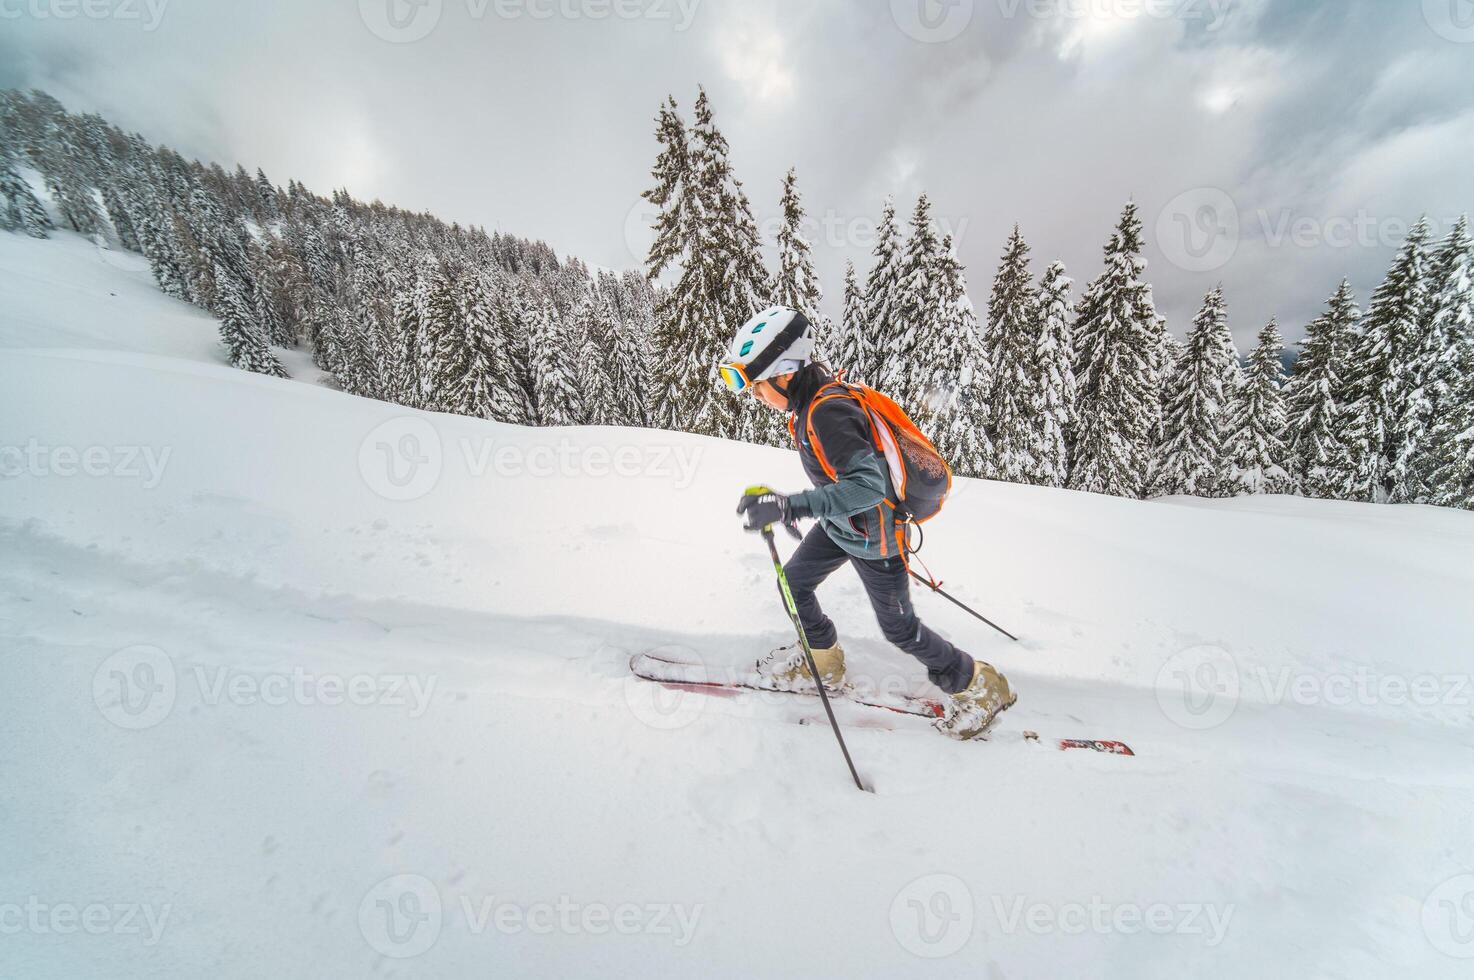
<point x="920" y="476"/>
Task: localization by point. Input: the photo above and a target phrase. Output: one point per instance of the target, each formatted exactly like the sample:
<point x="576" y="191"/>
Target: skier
<point x="772" y="358"/>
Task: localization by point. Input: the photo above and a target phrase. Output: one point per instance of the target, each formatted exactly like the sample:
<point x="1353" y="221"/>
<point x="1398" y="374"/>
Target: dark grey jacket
<point x="856" y="504"/>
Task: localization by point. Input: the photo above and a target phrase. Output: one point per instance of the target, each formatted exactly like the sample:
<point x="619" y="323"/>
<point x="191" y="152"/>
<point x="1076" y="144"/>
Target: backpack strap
<point x="841" y="391"/>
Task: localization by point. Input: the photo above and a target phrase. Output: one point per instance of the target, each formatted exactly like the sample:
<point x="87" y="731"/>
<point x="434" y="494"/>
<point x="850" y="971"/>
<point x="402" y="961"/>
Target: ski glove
<point x="763" y="506"/>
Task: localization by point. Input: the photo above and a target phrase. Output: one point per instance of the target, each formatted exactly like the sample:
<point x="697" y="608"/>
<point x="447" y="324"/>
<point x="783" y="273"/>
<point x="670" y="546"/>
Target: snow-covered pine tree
<point x="706" y="226"/>
<point x="596" y="331"/>
<point x="554" y="369"/>
<point x="851" y="344"/>
<point x="158" y="238"/>
<point x="1256" y="444"/>
<point x="21" y="211"/>
<point x="1194" y="459"/>
<point x="1319" y="448"/>
<point x="245" y="341"/>
<point x="1011" y="342"/>
<point x="63" y="162"/>
<point x="912" y="339"/>
<point x="883" y="302"/>
<point x="1451" y="471"/>
<point x="455" y="366"/>
<point x="265" y="199"/>
<point x="497" y="393"/>
<point x="633" y="303"/>
<point x="797" y="285"/>
<point x="1118" y="350"/>
<point x="1055" y="379"/>
<point x="1387" y="376"/>
<point x="1448" y="347"/>
<point x="954" y="412"/>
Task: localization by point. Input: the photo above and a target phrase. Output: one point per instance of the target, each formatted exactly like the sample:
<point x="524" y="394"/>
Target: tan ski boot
<point x="786" y="670"/>
<point x="972" y="711"/>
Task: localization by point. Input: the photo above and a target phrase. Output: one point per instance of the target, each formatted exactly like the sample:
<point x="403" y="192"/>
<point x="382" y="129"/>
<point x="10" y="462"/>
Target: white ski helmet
<point x="778" y="340"/>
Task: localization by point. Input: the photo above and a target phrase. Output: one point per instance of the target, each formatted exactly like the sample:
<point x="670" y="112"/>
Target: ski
<point x="684" y="675"/>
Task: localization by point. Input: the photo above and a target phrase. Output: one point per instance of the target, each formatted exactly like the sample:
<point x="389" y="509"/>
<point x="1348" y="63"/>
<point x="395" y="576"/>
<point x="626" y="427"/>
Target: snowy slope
<point x="300" y="684"/>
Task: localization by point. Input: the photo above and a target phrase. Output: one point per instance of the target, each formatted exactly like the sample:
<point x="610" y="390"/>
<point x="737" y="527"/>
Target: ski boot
<point x="973" y="710"/>
<point x="786" y="670"/>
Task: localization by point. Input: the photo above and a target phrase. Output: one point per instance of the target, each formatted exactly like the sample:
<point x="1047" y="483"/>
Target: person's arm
<point x="861" y="478"/>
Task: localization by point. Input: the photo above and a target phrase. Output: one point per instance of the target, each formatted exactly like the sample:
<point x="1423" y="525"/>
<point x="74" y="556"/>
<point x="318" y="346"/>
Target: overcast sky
<point x="1273" y="146"/>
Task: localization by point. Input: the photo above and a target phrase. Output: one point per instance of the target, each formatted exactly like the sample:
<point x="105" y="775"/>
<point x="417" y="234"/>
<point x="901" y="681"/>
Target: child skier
<point x="772" y="357"/>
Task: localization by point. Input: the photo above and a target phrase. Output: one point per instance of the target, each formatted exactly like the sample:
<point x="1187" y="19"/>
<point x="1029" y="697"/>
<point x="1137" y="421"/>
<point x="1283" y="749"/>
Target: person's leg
<point x="889" y="588"/>
<point x="816" y="557"/>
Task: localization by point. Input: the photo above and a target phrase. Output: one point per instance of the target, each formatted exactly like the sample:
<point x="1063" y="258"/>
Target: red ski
<point x="683" y="675"/>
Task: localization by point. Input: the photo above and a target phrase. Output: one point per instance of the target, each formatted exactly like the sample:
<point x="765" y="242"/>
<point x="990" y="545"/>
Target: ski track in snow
<point x="535" y="769"/>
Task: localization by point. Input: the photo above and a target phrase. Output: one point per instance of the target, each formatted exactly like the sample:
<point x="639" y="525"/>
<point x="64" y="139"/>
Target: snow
<point x="390" y="712"/>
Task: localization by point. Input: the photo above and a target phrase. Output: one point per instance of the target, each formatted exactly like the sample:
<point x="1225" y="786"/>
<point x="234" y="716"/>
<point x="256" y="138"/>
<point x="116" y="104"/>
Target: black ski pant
<point x="889" y="587"/>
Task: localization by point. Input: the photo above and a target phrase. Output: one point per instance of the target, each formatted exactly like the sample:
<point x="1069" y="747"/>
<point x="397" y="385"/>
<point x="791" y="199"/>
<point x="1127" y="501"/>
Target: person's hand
<point x="763" y="506"/>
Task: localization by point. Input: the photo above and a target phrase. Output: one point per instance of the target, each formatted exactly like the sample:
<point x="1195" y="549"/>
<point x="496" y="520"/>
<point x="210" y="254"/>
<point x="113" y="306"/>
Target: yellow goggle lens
<point x="733" y="377"/>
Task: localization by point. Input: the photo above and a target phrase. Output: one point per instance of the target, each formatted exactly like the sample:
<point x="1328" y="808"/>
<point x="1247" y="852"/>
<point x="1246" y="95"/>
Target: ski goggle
<point x="734" y="376"/>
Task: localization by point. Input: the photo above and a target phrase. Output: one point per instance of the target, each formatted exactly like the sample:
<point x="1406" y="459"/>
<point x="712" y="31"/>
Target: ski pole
<point x="937" y="588"/>
<point x="803" y="641"/>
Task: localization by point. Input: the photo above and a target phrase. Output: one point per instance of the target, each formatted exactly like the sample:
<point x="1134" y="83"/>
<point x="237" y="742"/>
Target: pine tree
<point x="245" y="342"/>
<point x="1387" y="379"/>
<point x="1451" y="475"/>
<point x="797" y="285"/>
<point x="1053" y="360"/>
<point x="883" y="301"/>
<point x="454" y="366"/>
<point x="554" y="368"/>
<point x="706" y="224"/>
<point x="1319" y="447"/>
<point x="1256" y="444"/>
<point x="630" y="355"/>
<point x="912" y="338"/>
<point x="1011" y="343"/>
<point x="63" y="163"/>
<point x="1118" y="350"/>
<point x="22" y="211"/>
<point x="1194" y="460"/>
<point x="852" y="344"/>
<point x="596" y="328"/>
<point x="266" y="202"/>
<point x="956" y="363"/>
<point x="1448" y="349"/>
